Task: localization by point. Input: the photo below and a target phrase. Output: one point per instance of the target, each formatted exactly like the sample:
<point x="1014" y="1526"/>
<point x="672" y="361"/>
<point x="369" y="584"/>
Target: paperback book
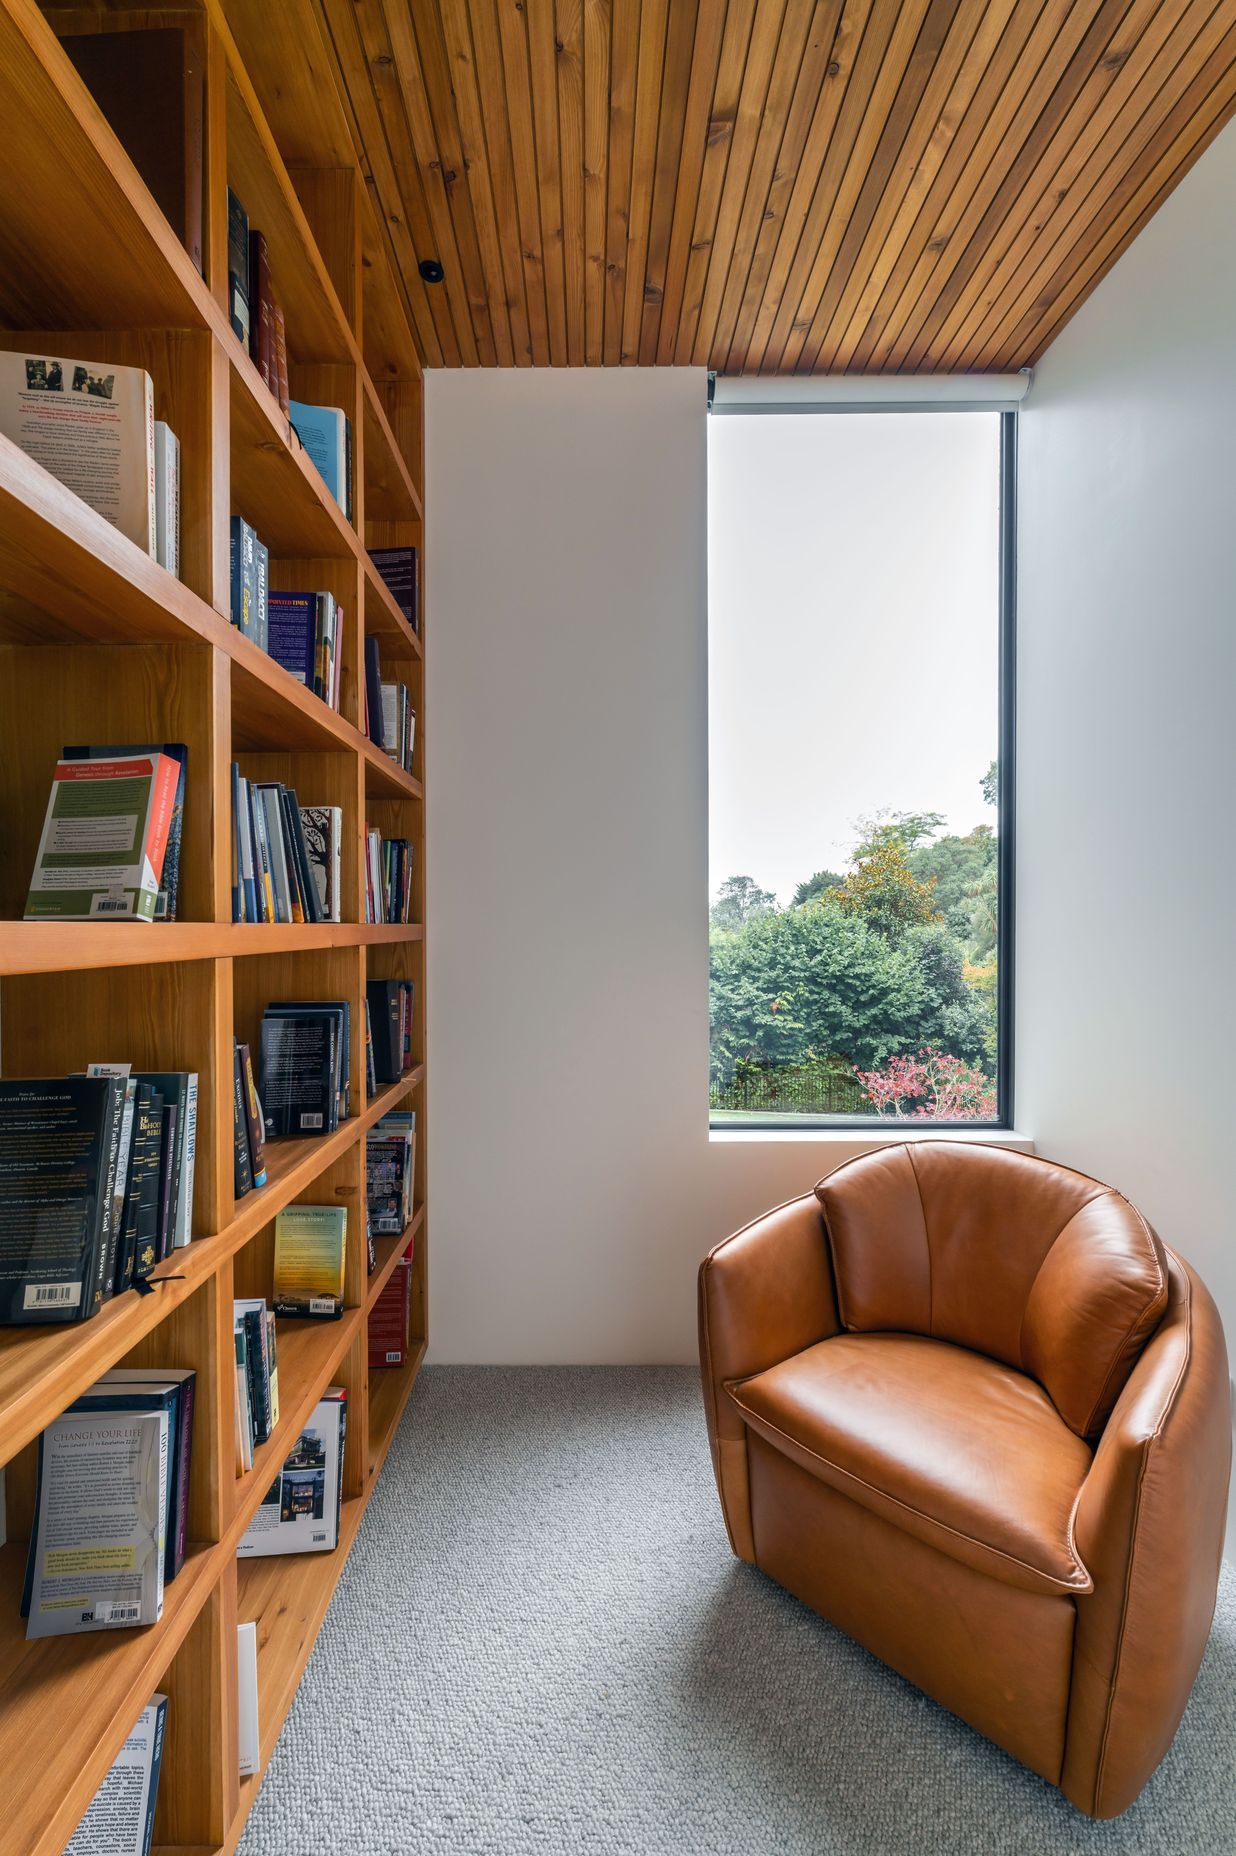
<point x="119" y="1820"/>
<point x="59" y="1155"/>
<point x="169" y="881"/>
<point x="310" y="1245"/>
<point x="300" y="1513"/>
<point x="104" y="840"/>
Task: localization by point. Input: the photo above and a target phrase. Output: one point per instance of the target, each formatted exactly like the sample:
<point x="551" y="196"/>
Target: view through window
<point x="854" y="647"/>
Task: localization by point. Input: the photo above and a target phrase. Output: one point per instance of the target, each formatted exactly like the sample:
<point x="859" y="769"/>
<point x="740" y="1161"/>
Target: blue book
<point x="293" y="634"/>
<point x="326" y="434"/>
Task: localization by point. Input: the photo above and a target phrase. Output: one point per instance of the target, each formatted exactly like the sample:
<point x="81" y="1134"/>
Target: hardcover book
<point x="399" y="571"/>
<point x="300" y="1513"/>
<point x="293" y="634"/>
<point x="238" y="267"/>
<point x="310" y="1242"/>
<point x="104" y="840"/>
<point x="91" y="425"/>
<point x="323" y="828"/>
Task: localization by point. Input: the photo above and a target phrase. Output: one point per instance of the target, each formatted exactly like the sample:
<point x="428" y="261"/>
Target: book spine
<point x="178" y="1530"/>
<point x="336" y="861"/>
<point x="281" y="357"/>
<point x="238" y="914"/>
<point x="159" y="819"/>
<point x="156" y="1755"/>
<point x="188" y="1163"/>
<point x="261" y="581"/>
<point x="253" y="1118"/>
<point x="243" y="1176"/>
<point x="167" y="1180"/>
<point x="109" y="1224"/>
<point x="152" y="511"/>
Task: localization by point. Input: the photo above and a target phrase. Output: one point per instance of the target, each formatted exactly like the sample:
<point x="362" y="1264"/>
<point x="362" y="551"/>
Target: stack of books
<point x="388" y="878"/>
<point x="390" y="1318"/>
<point x="399" y="571"/>
<point x="389" y="1008"/>
<point x="300" y="1511"/>
<point x="285" y="856"/>
<point x="257" y="1377"/>
<point x="92" y="425"/>
<point x="119" y="1820"/>
<point x="390" y="1164"/>
<point x="305" y="1067"/>
<point x="389" y="718"/>
<point x="255" y="312"/>
<point x="248" y="1124"/>
<point x="110" y="849"/>
<point x="305" y="635"/>
<point x="96" y="1177"/>
<point x="112" y="1498"/>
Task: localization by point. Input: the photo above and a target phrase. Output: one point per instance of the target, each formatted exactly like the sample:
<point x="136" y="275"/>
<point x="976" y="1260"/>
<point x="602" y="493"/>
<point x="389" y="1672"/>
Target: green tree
<point x="955" y="867"/>
<point x="878" y="830"/>
<point x="882" y="890"/>
<point x="740" y="899"/>
<point x="816" y="886"/>
<point x="990" y="784"/>
<point x="984" y="916"/>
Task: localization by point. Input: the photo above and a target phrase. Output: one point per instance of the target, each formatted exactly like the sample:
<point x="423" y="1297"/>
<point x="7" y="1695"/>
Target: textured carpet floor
<point x="542" y="1645"/>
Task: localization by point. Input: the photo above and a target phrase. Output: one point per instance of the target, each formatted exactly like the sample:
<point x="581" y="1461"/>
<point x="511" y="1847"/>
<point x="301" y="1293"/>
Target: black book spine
<point x="109" y="1221"/>
<point x="148" y="1139"/>
<point x="373" y="690"/>
<point x="259" y="1373"/>
<point x="240" y="1132"/>
<point x="166" y="1229"/>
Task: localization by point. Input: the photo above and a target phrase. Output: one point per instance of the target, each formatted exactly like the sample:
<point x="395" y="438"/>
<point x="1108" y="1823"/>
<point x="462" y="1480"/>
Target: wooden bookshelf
<point x="100" y="643"/>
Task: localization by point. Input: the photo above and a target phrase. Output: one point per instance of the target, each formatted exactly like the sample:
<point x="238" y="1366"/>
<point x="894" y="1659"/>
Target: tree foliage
<point x="882" y="890"/>
<point x="815" y="887"/>
<point x="740" y="899"/>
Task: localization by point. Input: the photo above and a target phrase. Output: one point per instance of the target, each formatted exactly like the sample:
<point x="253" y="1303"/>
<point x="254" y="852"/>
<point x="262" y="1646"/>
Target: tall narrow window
<point x="859" y="630"/>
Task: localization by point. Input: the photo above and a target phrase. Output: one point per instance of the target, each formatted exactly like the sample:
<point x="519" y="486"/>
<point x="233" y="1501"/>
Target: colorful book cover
<point x="310" y="1242"/>
<point x="104" y="840"/>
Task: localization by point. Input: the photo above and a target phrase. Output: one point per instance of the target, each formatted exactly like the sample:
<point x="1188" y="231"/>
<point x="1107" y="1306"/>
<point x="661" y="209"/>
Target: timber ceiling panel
<point x="767" y="185"/>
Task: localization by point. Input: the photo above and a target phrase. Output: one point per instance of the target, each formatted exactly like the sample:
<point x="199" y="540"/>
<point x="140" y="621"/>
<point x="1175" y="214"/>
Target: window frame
<point x="1006" y="806"/>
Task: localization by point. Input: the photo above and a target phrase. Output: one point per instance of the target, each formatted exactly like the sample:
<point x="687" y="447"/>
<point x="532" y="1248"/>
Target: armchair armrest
<point x="764" y="1295"/>
<point x="1149" y="1526"/>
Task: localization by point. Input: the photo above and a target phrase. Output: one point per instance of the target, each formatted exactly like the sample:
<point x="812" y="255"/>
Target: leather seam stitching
<point x="918" y="1187"/>
<point x="1154" y="1438"/>
<point x="1059" y="1585"/>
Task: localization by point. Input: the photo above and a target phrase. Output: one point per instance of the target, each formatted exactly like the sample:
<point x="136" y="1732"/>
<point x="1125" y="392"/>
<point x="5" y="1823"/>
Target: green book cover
<point x="104" y="840"/>
<point x="309" y="1250"/>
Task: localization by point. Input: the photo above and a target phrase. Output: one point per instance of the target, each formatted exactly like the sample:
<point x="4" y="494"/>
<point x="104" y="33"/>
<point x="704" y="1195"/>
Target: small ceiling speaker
<point x="431" y="270"/>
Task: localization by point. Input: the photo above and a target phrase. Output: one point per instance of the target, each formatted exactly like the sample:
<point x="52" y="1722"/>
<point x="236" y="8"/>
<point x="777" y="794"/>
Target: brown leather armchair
<point x="964" y="1404"/>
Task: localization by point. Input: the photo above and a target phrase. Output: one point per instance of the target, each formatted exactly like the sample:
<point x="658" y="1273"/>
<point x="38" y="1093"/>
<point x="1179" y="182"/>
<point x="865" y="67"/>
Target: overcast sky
<point x="852" y="613"/>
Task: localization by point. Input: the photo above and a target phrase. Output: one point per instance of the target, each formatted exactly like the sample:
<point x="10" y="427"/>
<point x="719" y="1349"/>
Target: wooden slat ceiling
<point x="769" y="185"/>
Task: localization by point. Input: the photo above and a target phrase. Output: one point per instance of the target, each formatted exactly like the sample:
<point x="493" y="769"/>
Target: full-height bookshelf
<point x="101" y="644"/>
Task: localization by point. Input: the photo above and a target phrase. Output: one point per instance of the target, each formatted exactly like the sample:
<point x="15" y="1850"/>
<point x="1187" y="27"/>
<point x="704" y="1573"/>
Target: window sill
<point x="861" y="1141"/>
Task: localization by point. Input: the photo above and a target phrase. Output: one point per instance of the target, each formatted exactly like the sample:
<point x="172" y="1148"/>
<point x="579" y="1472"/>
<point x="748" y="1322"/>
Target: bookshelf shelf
<point x="95" y="636"/>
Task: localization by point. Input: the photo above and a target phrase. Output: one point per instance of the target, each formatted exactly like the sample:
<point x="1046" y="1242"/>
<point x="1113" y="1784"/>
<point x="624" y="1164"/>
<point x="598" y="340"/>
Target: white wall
<point x="1127" y="698"/>
<point x="574" y="1186"/>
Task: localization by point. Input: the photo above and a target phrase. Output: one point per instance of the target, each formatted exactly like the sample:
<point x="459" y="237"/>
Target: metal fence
<point x="795" y="1089"/>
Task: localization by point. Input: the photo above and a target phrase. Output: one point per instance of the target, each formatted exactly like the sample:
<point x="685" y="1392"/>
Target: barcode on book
<point x="110" y="905"/>
<point x="393" y="1359"/>
<point x="318" y="1537"/>
<point x="323" y="1305"/>
<point x="52" y="1295"/>
<point x="310" y="1121"/>
<point x="107" y="1613"/>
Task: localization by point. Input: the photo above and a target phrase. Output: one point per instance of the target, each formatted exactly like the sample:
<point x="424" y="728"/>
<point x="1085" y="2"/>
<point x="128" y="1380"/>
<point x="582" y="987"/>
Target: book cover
<point x="383" y="999"/>
<point x="295" y="831"/>
<point x="168" y="1180"/>
<point x="181" y="1383"/>
<point x="261" y="309"/>
<point x="247" y="1700"/>
<point x="281" y="358"/>
<point x="373" y="693"/>
<point x="292" y="638"/>
<point x="390" y="1318"/>
<point x="104" y="840"/>
<point x="300" y="1512"/>
<point x="55" y="1204"/>
<point x="325" y="432"/>
<point x="98" y="1543"/>
<point x="298" y="1092"/>
<point x="254" y="1127"/>
<point x="261" y="581"/>
<point x="180" y="1088"/>
<point x="169" y="880"/>
<point x="340" y="1011"/>
<point x="242" y="1169"/>
<point x="323" y="829"/>
<point x="310" y="1242"/>
<point x="244" y="1409"/>
<point x="398" y="571"/>
<point x="91" y="425"/>
<point x="119" y="1820"/>
<point x="251" y="1314"/>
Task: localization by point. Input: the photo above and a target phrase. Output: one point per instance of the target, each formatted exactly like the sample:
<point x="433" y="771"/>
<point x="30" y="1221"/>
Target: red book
<point x="261" y="310"/>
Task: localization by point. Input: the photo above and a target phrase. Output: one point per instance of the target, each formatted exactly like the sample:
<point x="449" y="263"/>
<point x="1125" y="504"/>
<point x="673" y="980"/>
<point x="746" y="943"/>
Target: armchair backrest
<point x="1001" y="1252"/>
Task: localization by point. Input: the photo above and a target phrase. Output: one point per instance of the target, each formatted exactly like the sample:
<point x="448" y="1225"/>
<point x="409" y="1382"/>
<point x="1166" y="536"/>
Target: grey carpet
<point x="541" y="1644"/>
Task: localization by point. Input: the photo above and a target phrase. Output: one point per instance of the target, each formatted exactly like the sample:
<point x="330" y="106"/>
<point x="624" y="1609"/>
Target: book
<point x="244" y="1406"/>
<point x="388" y="1181"/>
<point x="261" y="309"/>
<point x="261" y="577"/>
<point x="305" y="1064"/>
<point x="250" y="1314"/>
<point x="300" y="1512"/>
<point x="247" y="1700"/>
<point x="398" y="724"/>
<point x="98" y="1541"/>
<point x="340" y="1012"/>
<point x="91" y="425"/>
<point x="373" y="693"/>
<point x="388" y="878"/>
<point x="326" y="434"/>
<point x="167" y="497"/>
<point x="246" y="612"/>
<point x="169" y="880"/>
<point x="149" y="83"/>
<point x="390" y="1318"/>
<point x="310" y="1244"/>
<point x="168" y="1184"/>
<point x="242" y="1166"/>
<point x="56" y="1195"/>
<point x="119" y="1820"/>
<point x="104" y="840"/>
<point x="293" y="634"/>
<point x="140" y="1242"/>
<point x="179" y="1088"/>
<point x="398" y="569"/>
<point x="238" y="267"/>
<point x="281" y="359"/>
<point x="323" y="829"/>
<point x="181" y="1383"/>
<point x="272" y="1357"/>
<point x="254" y="1128"/>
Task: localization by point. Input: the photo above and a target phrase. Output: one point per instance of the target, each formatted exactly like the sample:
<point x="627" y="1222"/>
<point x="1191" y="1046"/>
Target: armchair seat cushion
<point x="956" y="1449"/>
